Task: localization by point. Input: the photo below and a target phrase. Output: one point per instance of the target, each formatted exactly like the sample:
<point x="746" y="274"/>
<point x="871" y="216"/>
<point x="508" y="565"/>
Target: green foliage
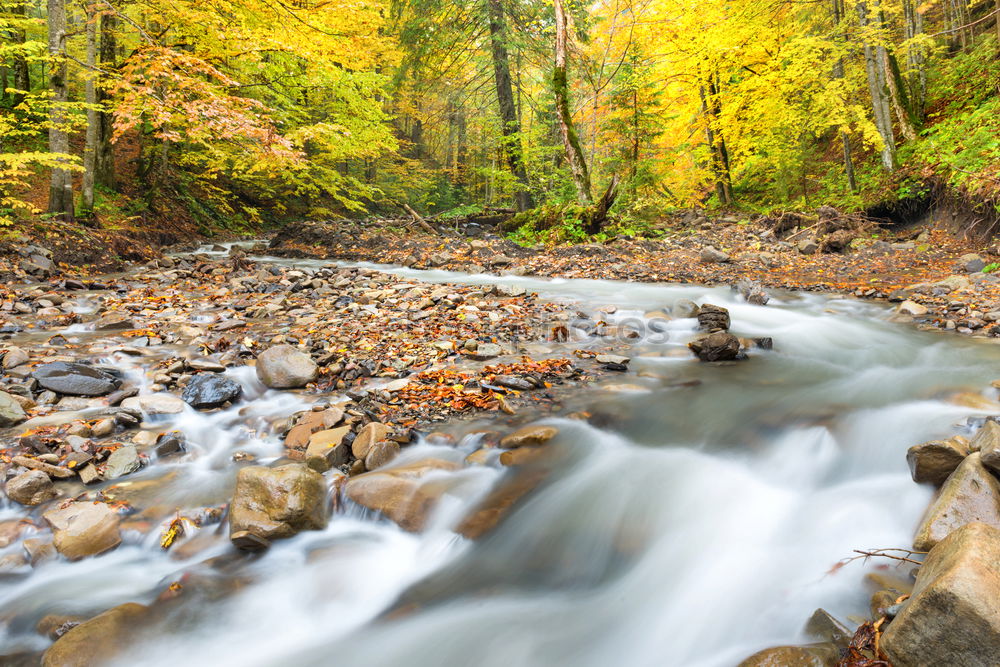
<point x="992" y="267"/>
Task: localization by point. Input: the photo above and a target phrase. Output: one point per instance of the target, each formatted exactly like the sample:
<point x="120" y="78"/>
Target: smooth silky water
<point x="699" y="524"/>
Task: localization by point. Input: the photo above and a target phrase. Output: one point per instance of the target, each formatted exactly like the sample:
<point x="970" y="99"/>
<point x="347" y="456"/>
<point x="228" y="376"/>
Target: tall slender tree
<point x="61" y="186"/>
<point x="560" y="86"/>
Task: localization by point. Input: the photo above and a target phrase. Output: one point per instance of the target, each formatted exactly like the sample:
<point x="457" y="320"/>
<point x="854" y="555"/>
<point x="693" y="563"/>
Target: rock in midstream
<point x="84" y="528"/>
<point x="95" y="641"/>
<point x="273" y="503"/>
<point x="969" y="494"/>
<point x="932" y="462"/>
<point x="208" y="390"/>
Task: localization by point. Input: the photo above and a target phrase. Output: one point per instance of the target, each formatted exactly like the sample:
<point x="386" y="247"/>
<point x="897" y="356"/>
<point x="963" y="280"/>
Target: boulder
<point x="381" y="453"/>
<point x="95" y="641"/>
<point x="208" y="390"/>
<point x="83" y="528"/>
<point x="987" y="443"/>
<point x="327" y="449"/>
<point x="14" y="357"/>
<point x="529" y="436"/>
<point x="713" y="318"/>
<point x="402" y="494"/>
<point x="816" y="655"/>
<point x="710" y="255"/>
<point x="953" y="615"/>
<point x="808" y="246"/>
<point x="969" y="494"/>
<point x="684" y="308"/>
<point x="718" y="346"/>
<point x="31" y="488"/>
<point x="367" y="437"/>
<point x="273" y="503"/>
<point x="932" y="462"/>
<point x="75" y="379"/>
<point x="971" y="263"/>
<point x="486" y="351"/>
<point x="11" y="412"/>
<point x="285" y="367"/>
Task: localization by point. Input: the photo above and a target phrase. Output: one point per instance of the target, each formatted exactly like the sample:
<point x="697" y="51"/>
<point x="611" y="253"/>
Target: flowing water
<point x="699" y="525"/>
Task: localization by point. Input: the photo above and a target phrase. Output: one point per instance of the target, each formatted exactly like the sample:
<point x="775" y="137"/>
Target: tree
<point x="61" y="188"/>
<point x="876" y="66"/>
<point x="560" y="86"/>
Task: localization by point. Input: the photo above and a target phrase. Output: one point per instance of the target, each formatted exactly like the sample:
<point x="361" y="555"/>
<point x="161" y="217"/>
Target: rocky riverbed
<point x="211" y="436"/>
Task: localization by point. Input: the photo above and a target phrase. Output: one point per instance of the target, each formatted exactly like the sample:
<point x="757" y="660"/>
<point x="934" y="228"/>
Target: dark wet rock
<point x="718" y="346"/>
<point x="970" y="494"/>
<point x="84" y="528"/>
<point x="932" y="462"/>
<point x="713" y="318"/>
<point x="208" y="390"/>
<point x="11" y="412"/>
<point x="75" y="379"/>
<point x="953" y="616"/>
<point x="96" y="641"/>
<point x="402" y="493"/>
<point x="285" y="367"/>
<point x="274" y="503"/>
<point x="170" y="444"/>
<point x="33" y="487"/>
<point x="971" y="263"/>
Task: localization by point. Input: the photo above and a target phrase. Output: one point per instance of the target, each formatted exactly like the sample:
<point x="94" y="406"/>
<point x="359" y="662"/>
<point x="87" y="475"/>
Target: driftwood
<point x="417" y="218"/>
<point x="603" y="205"/>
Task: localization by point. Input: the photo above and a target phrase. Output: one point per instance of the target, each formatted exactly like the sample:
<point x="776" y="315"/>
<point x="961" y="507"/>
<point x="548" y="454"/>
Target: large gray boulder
<point x="208" y="390"/>
<point x="75" y="379"/>
<point x="969" y="494"/>
<point x="285" y="367"/>
<point x="273" y="503"/>
<point x="953" y="616"/>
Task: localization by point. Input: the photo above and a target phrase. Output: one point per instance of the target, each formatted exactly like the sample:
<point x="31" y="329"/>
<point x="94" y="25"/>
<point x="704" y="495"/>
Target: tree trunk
<point x="723" y="190"/>
<point x="915" y="58"/>
<point x="104" y="162"/>
<point x="510" y="127"/>
<point x="875" y="69"/>
<point x="900" y="102"/>
<point x="22" y="75"/>
<point x="838" y="73"/>
<point x="61" y="187"/>
<point x="560" y="85"/>
<point x="93" y="120"/>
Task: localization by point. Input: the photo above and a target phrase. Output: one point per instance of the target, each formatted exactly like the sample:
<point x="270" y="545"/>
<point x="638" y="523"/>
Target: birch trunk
<point x="875" y="68"/>
<point x="61" y="186"/>
<point x="93" y="120"/>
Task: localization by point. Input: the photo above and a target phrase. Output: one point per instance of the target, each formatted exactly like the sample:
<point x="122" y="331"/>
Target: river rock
<point x="486" y="351"/>
<point x="83" y="528"/>
<point x="711" y="255"/>
<point x="367" y="437"/>
<point x="987" y="443"/>
<point x="684" y="308"/>
<point x="718" y="346"/>
<point x="529" y="436"/>
<point x="381" y="453"/>
<point x="285" y="367"/>
<point x="11" y="412"/>
<point x="403" y="494"/>
<point x="123" y="461"/>
<point x="912" y="308"/>
<point x="953" y="616"/>
<point x="713" y="318"/>
<point x="208" y="390"/>
<point x="114" y="322"/>
<point x="932" y="462"/>
<point x="75" y="379"/>
<point x="273" y="503"/>
<point x="14" y="357"/>
<point x="95" y="641"/>
<point x="327" y="449"/>
<point x="971" y="263"/>
<point x="816" y="655"/>
<point x="31" y="488"/>
<point x="155" y="404"/>
<point x="969" y="494"/>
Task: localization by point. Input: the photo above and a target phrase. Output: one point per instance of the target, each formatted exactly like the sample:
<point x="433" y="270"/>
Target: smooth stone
<point x="155" y="404"/>
<point x="381" y="453"/>
<point x="718" y="346"/>
<point x="75" y="379"/>
<point x="711" y="255"/>
<point x="123" y="461"/>
<point x="969" y="494"/>
<point x="912" y="308"/>
<point x="367" y="437"/>
<point x="327" y="449"/>
<point x="33" y="487"/>
<point x="485" y="351"/>
<point x="114" y="322"/>
<point x="11" y="412"/>
<point x="84" y="528"/>
<point x="953" y="615"/>
<point x="96" y="641"/>
<point x="817" y="655"/>
<point x="529" y="436"/>
<point x="404" y="494"/>
<point x="59" y="472"/>
<point x="932" y="462"/>
<point x="987" y="443"/>
<point x="285" y="367"/>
